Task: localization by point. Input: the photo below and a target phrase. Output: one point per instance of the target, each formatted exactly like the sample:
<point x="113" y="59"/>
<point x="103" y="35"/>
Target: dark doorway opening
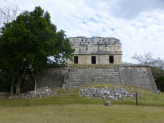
<point x="111" y="59"/>
<point x="75" y="59"/>
<point x="93" y="59"/>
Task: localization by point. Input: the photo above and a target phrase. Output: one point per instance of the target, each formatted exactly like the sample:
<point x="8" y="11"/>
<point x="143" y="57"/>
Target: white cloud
<point x="139" y="24"/>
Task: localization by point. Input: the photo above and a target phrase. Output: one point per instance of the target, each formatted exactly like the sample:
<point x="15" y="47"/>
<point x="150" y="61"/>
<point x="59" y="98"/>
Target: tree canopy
<point x="27" y="42"/>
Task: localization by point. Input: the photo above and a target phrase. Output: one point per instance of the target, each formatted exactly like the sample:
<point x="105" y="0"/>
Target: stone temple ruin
<point x="97" y="60"/>
<point x="96" y="50"/>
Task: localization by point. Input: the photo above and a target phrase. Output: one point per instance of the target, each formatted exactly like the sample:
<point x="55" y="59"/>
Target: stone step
<point x="78" y="77"/>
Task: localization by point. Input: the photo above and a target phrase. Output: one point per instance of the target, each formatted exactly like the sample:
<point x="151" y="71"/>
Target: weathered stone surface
<point x="52" y="77"/>
<point x="40" y="92"/>
<point x="111" y="97"/>
<point x="108" y="103"/>
<point x="77" y="75"/>
<point x="106" y="93"/>
<point x="101" y="47"/>
<point x="157" y="92"/>
<point x="136" y="75"/>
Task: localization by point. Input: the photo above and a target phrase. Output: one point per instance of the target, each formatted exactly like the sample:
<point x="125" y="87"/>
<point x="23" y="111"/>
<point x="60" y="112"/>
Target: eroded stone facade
<point x="73" y="76"/>
<point x="107" y="55"/>
<point x="52" y="76"/>
<point x="95" y="50"/>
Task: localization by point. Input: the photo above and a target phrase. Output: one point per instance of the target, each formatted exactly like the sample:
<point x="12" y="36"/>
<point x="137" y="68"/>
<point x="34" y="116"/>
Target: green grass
<point x="145" y="97"/>
<point x="63" y="97"/>
<point x="72" y="99"/>
<point x="129" y="88"/>
<point x="82" y="113"/>
<point x="69" y="107"/>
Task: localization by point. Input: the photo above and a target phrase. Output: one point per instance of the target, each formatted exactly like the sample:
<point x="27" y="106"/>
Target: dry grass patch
<point x="82" y="113"/>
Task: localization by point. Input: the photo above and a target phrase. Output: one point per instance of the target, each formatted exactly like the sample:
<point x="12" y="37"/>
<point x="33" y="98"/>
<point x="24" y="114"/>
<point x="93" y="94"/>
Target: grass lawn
<point x="69" y="107"/>
<point x="145" y="98"/>
<point x="82" y="113"/>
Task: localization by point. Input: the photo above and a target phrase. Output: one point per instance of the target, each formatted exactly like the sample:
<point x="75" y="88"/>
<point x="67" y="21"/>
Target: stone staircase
<point x="76" y="77"/>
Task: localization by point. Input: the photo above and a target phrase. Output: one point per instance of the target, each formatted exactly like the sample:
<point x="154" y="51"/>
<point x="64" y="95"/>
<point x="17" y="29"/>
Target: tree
<point x="156" y="66"/>
<point x="9" y="12"/>
<point x="160" y="83"/>
<point x="28" y="41"/>
<point x="158" y="77"/>
<point x="146" y="59"/>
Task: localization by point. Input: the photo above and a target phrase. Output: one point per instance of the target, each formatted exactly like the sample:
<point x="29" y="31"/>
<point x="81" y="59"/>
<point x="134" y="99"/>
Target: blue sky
<point x="138" y="24"/>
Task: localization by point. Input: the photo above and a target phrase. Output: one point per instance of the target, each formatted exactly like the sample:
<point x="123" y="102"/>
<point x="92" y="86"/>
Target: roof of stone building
<point x="95" y="45"/>
<point x="93" y="40"/>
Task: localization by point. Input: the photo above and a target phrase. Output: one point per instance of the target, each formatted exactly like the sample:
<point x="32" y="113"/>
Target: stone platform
<point x="75" y="75"/>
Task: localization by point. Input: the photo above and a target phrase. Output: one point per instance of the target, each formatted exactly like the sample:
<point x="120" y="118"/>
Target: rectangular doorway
<point x="111" y="59"/>
<point x="75" y="59"/>
<point x="93" y="59"/>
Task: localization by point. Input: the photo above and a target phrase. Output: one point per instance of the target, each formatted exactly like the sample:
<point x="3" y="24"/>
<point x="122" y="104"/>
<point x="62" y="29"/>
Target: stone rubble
<point x="108" y="103"/>
<point x="106" y="93"/>
<point x="157" y="92"/>
<point x="3" y="93"/>
<point x="40" y="92"/>
<point x="109" y="93"/>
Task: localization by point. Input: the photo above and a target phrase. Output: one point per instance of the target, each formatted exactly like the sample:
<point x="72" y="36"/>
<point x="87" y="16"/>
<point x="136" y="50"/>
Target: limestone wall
<point x="76" y="75"/>
<point x="96" y="45"/>
<point x="96" y="48"/>
<point x="100" y="59"/>
<point x="102" y="47"/>
<point x="138" y="75"/>
<point x="52" y="77"/>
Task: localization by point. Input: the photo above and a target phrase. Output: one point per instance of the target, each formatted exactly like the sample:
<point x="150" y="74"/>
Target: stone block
<point x="108" y="103"/>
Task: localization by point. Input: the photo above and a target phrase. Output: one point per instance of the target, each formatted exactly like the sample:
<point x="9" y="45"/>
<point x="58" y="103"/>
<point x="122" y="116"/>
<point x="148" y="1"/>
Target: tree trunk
<point x="17" y="88"/>
<point x="12" y="83"/>
<point x="19" y="80"/>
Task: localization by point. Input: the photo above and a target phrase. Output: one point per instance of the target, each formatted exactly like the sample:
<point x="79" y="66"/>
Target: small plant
<point x="86" y="47"/>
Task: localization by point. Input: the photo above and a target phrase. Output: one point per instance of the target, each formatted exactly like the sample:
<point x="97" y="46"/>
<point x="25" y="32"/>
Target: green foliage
<point x="28" y="41"/>
<point x="160" y="83"/>
<point x="4" y="82"/>
<point x="86" y="47"/>
<point x="158" y="76"/>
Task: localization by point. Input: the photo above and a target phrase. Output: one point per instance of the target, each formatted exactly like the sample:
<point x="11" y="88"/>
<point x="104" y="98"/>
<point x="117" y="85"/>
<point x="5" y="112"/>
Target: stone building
<point x="95" y="50"/>
<point x="107" y="55"/>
